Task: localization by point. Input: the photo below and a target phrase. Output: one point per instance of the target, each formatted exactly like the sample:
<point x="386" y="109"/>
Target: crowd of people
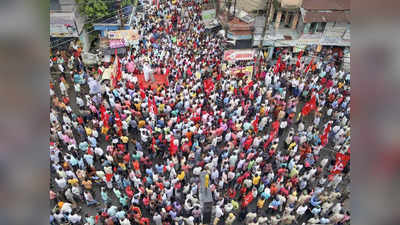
<point x="125" y="153"/>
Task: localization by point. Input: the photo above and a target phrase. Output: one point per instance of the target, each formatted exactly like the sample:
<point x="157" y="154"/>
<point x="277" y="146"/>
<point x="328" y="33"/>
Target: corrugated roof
<point x="326" y="4"/>
<point x="334" y="16"/>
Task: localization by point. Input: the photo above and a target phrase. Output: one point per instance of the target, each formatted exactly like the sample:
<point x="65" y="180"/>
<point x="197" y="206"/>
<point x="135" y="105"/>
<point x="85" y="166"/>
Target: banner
<point x="235" y="55"/>
<point x="117" y="43"/>
<point x="130" y="36"/>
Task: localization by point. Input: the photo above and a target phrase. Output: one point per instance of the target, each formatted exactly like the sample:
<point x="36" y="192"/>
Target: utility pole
<point x="267" y="11"/>
<point x="234" y="10"/>
<point x="119" y="5"/>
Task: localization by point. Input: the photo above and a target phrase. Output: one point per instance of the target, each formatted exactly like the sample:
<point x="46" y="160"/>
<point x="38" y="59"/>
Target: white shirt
<point x="218" y="212"/>
<point x="62" y="183"/>
<point x="125" y="222"/>
<point x="74" y="218"/>
<point x="301" y="210"/>
<point x="98" y="151"/>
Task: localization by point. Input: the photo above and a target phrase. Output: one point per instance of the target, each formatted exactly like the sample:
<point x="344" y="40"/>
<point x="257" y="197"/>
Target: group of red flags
<point x="279" y="66"/>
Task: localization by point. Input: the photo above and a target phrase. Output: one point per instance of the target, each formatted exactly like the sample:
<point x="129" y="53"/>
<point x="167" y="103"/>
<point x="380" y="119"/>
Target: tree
<point x="93" y="9"/>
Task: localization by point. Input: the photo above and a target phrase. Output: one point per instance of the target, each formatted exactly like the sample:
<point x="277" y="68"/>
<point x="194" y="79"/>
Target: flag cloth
<point x="103" y="111"/>
<point x="278" y="63"/>
<point x="208" y="86"/>
<point x="248" y="199"/>
<point x="155" y="107"/>
<point x="255" y="124"/>
<point x="275" y="125"/>
<point x="299" y="59"/>
<point x="309" y="65"/>
<point x="118" y="119"/>
<point x="341" y="162"/>
<point x="309" y="106"/>
<point x="324" y="137"/>
<point x="313" y="102"/>
<point x="150" y="105"/>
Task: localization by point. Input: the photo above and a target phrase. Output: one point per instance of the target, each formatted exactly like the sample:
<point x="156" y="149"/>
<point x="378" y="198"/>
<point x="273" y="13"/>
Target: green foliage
<point x="125" y="3"/>
<point x="93" y="9"/>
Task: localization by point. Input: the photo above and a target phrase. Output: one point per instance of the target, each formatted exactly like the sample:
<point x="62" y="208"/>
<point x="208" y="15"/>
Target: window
<point x="321" y="27"/>
<point x="312" y="27"/>
<point x="274" y="17"/>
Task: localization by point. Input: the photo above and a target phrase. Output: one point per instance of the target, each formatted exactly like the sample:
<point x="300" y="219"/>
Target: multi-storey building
<point x="290" y="23"/>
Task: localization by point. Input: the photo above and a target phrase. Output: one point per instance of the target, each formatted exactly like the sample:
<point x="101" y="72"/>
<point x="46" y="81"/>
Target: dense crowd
<point x="123" y="153"/>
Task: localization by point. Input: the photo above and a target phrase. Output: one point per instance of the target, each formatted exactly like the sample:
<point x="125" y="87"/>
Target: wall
<point x="335" y="30"/>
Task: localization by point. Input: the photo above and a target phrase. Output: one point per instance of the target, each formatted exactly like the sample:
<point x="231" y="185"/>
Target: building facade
<point x="290" y="23"/>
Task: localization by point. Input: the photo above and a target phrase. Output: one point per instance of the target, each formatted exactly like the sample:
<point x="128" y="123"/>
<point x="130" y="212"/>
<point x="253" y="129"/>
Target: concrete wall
<point x="335" y="30"/>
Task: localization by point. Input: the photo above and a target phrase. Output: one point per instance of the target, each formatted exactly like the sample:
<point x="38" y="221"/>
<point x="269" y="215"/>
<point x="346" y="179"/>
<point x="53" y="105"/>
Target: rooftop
<point x="332" y="16"/>
<point x="326" y="4"/>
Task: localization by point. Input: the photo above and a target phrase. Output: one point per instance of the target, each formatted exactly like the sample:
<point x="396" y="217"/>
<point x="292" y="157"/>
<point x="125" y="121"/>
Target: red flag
<point x="219" y="76"/>
<point x="275" y="126"/>
<point x="208" y="85"/>
<point x="299" y="58"/>
<point x="309" y="106"/>
<point x="313" y="102"/>
<point x="118" y="119"/>
<point x="255" y="124"/>
<point x="278" y="63"/>
<point x="271" y="137"/>
<point x="141" y="86"/>
<point x="306" y="109"/>
<point x="102" y="110"/>
<point x="153" y="142"/>
<point x="150" y="105"/>
<point x="248" y="199"/>
<point x="106" y="119"/>
<point x="155" y="106"/>
<point x="341" y="162"/>
<point x="324" y="137"/>
<point x="309" y="65"/>
<point x="142" y="94"/>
